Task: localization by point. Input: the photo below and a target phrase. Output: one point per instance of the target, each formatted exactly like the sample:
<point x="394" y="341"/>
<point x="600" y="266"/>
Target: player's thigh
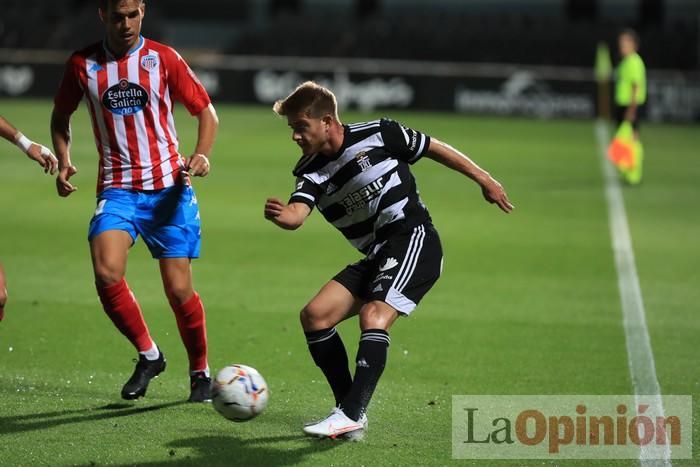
<point x="377" y="315"/>
<point x="109" y="250"/>
<point x="169" y="223"/>
<point x="331" y="305"/>
<point x="408" y="267"/>
<point x="177" y="279"/>
<point x="111" y="234"/>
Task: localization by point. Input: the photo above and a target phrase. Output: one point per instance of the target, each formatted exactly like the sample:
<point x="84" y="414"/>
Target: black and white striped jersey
<point x="366" y="190"/>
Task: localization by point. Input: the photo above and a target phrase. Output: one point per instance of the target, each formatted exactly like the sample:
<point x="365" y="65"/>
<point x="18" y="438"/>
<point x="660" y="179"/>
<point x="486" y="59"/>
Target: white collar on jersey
<point x="135" y="49"/>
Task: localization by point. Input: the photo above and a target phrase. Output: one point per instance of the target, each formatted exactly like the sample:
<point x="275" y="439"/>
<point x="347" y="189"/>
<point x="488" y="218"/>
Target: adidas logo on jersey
<point x="378" y="288"/>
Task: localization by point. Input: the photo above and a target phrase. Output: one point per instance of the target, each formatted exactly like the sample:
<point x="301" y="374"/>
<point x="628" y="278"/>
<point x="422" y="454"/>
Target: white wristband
<point x="45" y="152"/>
<point x="23" y="142"/>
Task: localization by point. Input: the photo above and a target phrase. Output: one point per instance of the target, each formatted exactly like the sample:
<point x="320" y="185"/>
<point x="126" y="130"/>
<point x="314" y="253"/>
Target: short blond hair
<point x="105" y="5"/>
<point x="310" y="99"/>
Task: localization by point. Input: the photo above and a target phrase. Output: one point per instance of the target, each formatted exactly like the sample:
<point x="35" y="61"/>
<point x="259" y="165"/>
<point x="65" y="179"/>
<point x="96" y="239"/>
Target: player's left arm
<point x="187" y="89"/>
<point x="35" y="151"/>
<point x="198" y="162"/>
<point x="450" y="157"/>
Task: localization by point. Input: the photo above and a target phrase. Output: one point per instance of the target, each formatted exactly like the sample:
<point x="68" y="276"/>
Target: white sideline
<point x="639" y="354"/>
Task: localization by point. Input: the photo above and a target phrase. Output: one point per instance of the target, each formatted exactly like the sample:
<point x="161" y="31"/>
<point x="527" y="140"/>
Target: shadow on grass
<point x="229" y="450"/>
<point x="42" y="420"/>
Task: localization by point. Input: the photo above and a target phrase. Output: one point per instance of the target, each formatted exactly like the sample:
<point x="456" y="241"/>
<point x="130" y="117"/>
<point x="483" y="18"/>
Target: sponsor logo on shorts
<point x="383" y="277"/>
<point x="390" y="263"/>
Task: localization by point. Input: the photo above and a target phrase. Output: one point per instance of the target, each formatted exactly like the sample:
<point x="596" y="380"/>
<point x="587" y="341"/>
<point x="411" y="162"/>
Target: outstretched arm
<point x="287" y="216"/>
<point x="450" y="157"/>
<point x="60" y="134"/>
<point x="198" y="162"/>
<point x="35" y="151"/>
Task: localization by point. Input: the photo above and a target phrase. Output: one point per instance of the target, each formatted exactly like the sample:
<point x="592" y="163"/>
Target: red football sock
<point x="2" y="312"/>
<point x="193" y="331"/>
<point x="120" y="305"/>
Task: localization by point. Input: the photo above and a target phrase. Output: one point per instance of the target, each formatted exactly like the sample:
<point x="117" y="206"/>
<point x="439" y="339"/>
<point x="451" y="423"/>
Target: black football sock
<point x="371" y="359"/>
<point x="329" y="354"/>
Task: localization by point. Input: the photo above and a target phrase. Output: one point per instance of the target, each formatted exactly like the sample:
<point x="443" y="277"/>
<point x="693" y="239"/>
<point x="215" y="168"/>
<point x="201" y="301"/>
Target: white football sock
<point x="205" y="371"/>
<point x="152" y="353"/>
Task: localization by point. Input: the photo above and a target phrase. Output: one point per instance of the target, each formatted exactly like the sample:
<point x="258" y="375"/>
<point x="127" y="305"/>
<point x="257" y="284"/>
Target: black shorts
<point x="621" y="110"/>
<point x="400" y="272"/>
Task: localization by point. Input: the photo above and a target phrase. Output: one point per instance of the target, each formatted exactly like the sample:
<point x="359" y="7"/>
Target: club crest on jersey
<point x="149" y="62"/>
<point x="363" y="161"/>
<point x="125" y="98"/>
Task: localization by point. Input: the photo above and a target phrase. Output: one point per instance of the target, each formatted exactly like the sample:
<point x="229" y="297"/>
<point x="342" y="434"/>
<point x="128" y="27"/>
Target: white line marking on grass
<point x="639" y="354"/>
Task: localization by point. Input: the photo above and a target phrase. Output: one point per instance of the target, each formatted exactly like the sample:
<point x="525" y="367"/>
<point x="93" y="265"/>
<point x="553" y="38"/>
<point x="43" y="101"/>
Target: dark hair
<point x="309" y="98"/>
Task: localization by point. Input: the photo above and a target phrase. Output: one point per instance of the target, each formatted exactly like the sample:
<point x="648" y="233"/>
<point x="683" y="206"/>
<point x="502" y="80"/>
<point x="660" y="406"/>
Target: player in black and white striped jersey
<point x="366" y="189"/>
<point x="358" y="177"/>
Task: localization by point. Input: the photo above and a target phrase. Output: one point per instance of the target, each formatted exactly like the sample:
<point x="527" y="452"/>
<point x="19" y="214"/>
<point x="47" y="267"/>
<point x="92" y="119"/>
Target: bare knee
<point x="377" y="315"/>
<point x="108" y="273"/>
<point x="178" y="293"/>
<point x="314" y="317"/>
<point x="109" y="251"/>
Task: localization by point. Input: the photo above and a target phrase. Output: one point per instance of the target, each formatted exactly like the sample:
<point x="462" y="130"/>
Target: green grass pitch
<point x="528" y="303"/>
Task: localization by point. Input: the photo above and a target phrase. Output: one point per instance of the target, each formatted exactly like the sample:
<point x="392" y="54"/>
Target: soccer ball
<point x="239" y="393"/>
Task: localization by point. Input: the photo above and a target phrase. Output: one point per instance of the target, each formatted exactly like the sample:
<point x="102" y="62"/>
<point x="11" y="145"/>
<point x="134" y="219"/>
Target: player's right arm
<point x="292" y="215"/>
<point x="287" y="216"/>
<point x="69" y="95"/>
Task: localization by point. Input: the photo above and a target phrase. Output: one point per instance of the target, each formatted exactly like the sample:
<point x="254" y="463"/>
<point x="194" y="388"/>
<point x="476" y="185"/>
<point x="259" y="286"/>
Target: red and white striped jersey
<point x="130" y="100"/>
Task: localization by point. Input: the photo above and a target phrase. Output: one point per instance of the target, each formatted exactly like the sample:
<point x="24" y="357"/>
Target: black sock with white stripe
<point x="371" y="360"/>
<point x="329" y="354"/>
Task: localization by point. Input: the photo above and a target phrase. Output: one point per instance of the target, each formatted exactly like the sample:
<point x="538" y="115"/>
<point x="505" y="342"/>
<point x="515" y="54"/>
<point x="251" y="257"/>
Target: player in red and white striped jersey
<point x="130" y="84"/>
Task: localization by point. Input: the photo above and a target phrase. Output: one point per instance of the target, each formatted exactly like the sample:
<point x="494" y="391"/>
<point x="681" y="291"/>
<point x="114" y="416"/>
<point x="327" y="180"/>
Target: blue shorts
<point x="168" y="219"/>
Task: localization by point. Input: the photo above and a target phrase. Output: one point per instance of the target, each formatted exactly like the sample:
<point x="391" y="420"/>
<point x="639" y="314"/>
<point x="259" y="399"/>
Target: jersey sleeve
<point x="70" y="92"/>
<point x="305" y="192"/>
<point x="402" y="142"/>
<point x="184" y="85"/>
<point x="636" y="71"/>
